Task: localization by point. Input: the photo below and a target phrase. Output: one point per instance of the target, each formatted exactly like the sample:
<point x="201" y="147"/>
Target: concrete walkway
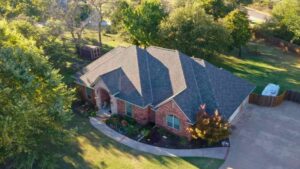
<point x="218" y="153"/>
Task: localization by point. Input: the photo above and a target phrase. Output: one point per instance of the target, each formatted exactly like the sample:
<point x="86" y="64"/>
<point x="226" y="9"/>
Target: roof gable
<point x="154" y="75"/>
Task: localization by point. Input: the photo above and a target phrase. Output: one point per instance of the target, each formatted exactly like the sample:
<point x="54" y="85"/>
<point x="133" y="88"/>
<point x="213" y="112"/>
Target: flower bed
<point x="153" y="135"/>
<point x="163" y="138"/>
<point x="128" y="126"/>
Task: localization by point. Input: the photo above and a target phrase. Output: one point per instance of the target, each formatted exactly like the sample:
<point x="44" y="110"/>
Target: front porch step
<point x="103" y="116"/>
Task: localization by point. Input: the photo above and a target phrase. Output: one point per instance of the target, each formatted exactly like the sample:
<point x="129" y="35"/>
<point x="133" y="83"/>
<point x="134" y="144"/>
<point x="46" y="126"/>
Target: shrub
<point x="93" y="114"/>
<point x="183" y="141"/>
<point x="145" y="132"/>
<point x="210" y="128"/>
<point x="131" y="130"/>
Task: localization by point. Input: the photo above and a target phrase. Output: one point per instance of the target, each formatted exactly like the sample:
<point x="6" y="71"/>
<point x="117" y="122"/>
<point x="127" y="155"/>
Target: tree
<point x="190" y="30"/>
<point x="76" y="19"/>
<point x="36" y="105"/>
<point x="237" y="22"/>
<point x="142" y="22"/>
<point x="98" y="6"/>
<point x="210" y="128"/>
<point x="216" y="8"/>
<point x="116" y="16"/>
<point x="36" y="9"/>
<point x="287" y="15"/>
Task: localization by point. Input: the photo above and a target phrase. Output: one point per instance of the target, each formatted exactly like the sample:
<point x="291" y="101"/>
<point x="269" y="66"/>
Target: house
<point x="162" y="86"/>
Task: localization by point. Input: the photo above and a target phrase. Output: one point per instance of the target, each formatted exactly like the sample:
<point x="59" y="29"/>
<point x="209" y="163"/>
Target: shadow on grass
<point x="204" y="163"/>
<point x="93" y="150"/>
<point x="269" y="65"/>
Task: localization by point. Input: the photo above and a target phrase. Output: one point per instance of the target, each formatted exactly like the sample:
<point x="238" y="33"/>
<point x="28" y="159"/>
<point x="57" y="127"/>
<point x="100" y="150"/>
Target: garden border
<point x="217" y="153"/>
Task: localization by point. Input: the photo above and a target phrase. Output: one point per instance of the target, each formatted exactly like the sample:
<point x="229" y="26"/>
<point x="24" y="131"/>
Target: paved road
<point x="257" y="16"/>
<point x="266" y="138"/>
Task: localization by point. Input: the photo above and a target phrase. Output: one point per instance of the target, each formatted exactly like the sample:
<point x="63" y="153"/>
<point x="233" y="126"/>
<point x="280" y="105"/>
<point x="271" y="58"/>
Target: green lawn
<point x="93" y="150"/>
<point x="270" y="66"/>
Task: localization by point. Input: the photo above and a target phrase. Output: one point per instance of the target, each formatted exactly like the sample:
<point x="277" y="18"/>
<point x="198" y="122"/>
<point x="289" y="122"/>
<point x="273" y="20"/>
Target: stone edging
<point x="218" y="152"/>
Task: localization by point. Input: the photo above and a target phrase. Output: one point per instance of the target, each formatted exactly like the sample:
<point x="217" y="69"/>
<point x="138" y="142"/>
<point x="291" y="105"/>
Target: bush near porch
<point x="128" y="126"/>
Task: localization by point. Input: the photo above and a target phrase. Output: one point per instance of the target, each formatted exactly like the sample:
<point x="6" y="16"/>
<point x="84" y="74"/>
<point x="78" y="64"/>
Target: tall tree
<point x="98" y="6"/>
<point x="216" y="8"/>
<point x="36" y="9"/>
<point x="191" y="30"/>
<point x="287" y="14"/>
<point x="35" y="104"/>
<point x="142" y="22"/>
<point x="237" y="22"/>
<point x="76" y="19"/>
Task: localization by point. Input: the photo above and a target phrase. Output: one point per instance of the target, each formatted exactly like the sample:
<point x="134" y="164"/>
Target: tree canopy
<point x="142" y="22"/>
<point x="190" y="30"/>
<point x="216" y="8"/>
<point x="287" y="14"/>
<point x="35" y="104"/>
<point x="37" y="9"/>
<point x="237" y="22"/>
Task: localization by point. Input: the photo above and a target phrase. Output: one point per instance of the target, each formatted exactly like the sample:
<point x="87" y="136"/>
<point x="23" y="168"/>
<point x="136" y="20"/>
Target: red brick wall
<point x="151" y="115"/>
<point x="168" y="109"/>
<point x="121" y="107"/>
<point x="139" y="114"/>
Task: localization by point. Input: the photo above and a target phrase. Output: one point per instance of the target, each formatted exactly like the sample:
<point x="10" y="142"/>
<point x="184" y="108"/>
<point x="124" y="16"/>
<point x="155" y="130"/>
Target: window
<point x="88" y="92"/>
<point x="128" y="109"/>
<point x="173" y="121"/>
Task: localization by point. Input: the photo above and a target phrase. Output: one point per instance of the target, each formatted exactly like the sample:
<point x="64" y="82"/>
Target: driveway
<point x="266" y="138"/>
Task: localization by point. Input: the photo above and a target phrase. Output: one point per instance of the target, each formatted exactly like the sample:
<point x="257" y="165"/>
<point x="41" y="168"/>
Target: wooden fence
<point x="271" y="101"/>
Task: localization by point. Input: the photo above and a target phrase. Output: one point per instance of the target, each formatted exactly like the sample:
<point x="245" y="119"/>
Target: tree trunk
<point x="240" y="51"/>
<point x="100" y="26"/>
<point x="77" y="43"/>
<point x="99" y="33"/>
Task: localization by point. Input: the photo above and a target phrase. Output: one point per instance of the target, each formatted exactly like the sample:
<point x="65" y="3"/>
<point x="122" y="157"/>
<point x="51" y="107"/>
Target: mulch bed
<point x="155" y="136"/>
<point x="162" y="138"/>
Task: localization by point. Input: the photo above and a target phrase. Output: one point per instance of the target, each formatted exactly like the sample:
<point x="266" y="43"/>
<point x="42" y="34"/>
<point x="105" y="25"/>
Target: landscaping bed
<point x="163" y="138"/>
<point x="129" y="127"/>
<point x="156" y="136"/>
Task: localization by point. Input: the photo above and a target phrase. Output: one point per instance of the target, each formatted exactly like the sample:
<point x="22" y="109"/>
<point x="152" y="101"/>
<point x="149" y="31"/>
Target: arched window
<point x="173" y="121"/>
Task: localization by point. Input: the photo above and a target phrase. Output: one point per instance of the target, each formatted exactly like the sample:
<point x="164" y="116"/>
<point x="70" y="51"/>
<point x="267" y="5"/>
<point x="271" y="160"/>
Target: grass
<point x="271" y="65"/>
<point x="93" y="150"/>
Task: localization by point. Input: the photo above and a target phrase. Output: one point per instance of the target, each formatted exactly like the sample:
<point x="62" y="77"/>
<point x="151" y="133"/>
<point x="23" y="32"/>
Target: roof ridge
<point x="199" y="94"/>
<point x="157" y="47"/>
<point x="110" y="52"/>
<point x="212" y="88"/>
<point x="136" y="49"/>
<point x="149" y="75"/>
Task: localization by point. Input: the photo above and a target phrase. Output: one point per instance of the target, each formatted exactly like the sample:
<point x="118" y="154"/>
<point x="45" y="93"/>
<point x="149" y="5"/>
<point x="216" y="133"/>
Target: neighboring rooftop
<point x="153" y="75"/>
